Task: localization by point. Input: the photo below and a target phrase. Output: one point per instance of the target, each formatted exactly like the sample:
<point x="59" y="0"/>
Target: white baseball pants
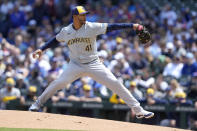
<point x="97" y="71"/>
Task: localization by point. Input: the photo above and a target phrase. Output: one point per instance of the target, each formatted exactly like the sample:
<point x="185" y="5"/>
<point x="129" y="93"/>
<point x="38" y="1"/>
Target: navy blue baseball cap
<point x="79" y="10"/>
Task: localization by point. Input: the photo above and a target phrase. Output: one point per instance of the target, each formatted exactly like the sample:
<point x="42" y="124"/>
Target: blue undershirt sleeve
<point x="117" y="26"/>
<point x="52" y="43"/>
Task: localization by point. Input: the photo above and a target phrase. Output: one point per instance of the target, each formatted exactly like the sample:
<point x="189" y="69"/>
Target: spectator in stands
<point x="159" y="63"/>
<point x="174" y="89"/>
<point x="152" y="99"/>
<point x="21" y="67"/>
<point x="46" y="28"/>
<point x="122" y="70"/>
<point x="174" y="68"/>
<point x="118" y="57"/>
<point x="24" y="6"/>
<point x="4" y="78"/>
<point x="158" y="94"/>
<point x="180" y="99"/>
<point x="55" y="69"/>
<point x="169" y="14"/>
<point x="44" y="65"/>
<point x="9" y="92"/>
<point x="155" y="49"/>
<point x="149" y="96"/>
<point x="31" y="93"/>
<point x="139" y="62"/>
<point x="135" y="91"/>
<point x="190" y="65"/>
<point x="161" y="84"/>
<point x="87" y="97"/>
<point x="169" y="52"/>
<point x="10" y="69"/>
<point x="34" y="78"/>
<point x="20" y="83"/>
<point x="149" y="57"/>
<point x="115" y="99"/>
<point x="8" y="49"/>
<point x="19" y="42"/>
<point x="145" y="79"/>
<point x="17" y="17"/>
<point x="180" y="50"/>
<point x="6" y="6"/>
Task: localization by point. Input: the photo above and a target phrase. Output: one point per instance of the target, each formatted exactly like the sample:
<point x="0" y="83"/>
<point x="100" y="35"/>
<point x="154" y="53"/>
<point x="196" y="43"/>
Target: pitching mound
<point x="24" y="119"/>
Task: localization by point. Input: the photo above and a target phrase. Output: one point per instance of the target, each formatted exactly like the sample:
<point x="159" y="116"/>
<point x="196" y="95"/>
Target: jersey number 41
<point x="88" y="48"/>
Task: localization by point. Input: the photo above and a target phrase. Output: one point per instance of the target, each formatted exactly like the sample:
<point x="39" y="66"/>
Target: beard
<point x="82" y="22"/>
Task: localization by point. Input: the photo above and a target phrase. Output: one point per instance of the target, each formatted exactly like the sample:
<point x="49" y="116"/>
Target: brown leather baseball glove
<point x="143" y="34"/>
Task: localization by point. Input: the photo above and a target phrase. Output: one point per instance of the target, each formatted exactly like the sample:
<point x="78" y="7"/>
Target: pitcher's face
<point x="82" y="19"/>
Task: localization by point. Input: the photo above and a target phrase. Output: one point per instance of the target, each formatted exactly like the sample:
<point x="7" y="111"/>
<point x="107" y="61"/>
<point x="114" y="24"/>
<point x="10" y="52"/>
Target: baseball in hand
<point x="36" y="56"/>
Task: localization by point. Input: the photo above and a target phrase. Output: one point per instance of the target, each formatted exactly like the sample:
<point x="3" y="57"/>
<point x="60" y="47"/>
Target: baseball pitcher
<point x="80" y="37"/>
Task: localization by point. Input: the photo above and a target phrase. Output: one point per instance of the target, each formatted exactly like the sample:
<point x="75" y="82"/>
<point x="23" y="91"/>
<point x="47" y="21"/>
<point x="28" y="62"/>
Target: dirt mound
<point x="24" y="119"/>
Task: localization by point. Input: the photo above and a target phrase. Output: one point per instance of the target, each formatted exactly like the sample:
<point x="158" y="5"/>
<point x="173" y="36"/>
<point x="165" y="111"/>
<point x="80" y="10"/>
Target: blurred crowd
<point x="164" y="73"/>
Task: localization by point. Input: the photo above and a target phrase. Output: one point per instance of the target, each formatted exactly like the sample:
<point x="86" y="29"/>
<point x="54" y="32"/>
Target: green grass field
<point x="27" y="129"/>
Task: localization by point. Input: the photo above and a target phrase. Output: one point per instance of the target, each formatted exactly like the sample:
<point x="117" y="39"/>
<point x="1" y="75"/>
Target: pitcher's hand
<point x="37" y="54"/>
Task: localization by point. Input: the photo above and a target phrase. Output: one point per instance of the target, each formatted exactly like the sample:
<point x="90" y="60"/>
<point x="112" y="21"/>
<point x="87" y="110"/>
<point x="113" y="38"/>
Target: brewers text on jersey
<point x="79" y="40"/>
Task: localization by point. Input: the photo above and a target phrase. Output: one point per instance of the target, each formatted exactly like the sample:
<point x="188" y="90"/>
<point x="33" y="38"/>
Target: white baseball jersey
<point x="82" y="42"/>
<point x="83" y="49"/>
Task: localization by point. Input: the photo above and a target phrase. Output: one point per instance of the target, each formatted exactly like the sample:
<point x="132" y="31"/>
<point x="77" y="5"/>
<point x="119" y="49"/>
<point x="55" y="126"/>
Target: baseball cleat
<point x="144" y="114"/>
<point x="34" y="107"/>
